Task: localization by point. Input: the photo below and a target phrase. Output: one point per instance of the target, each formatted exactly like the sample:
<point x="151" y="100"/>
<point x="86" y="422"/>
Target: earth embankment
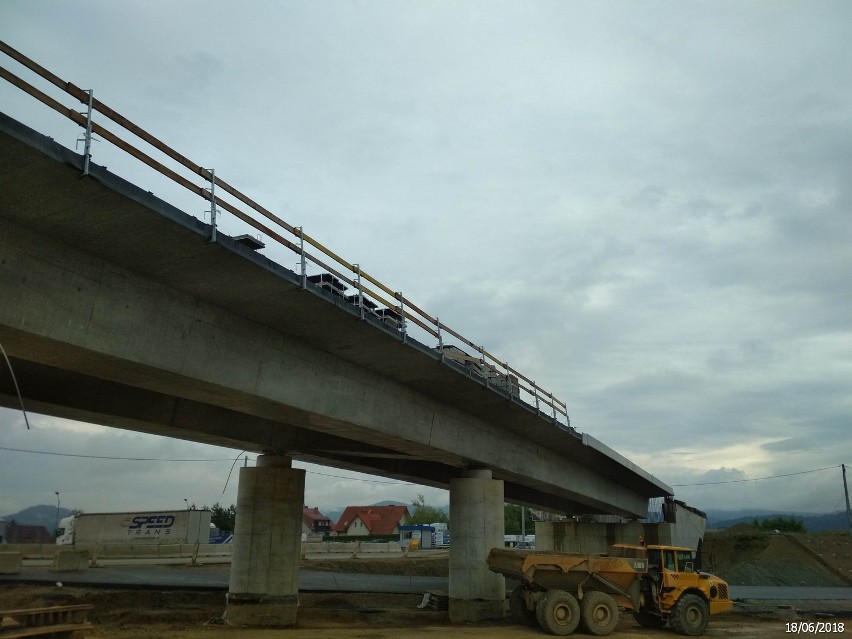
<point x="745" y="556"/>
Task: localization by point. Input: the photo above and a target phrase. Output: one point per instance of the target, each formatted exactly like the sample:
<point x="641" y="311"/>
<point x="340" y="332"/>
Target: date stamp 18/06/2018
<point x="814" y="627"/>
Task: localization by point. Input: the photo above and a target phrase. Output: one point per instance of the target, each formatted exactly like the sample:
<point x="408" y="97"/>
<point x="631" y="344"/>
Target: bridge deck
<point x="112" y="220"/>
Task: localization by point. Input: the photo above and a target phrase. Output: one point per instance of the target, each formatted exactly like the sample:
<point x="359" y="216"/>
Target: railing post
<point x="87" y="139"/>
<point x="535" y="393"/>
<point x="402" y="323"/>
<point x="302" y="257"/>
<point x="440" y="339"/>
<point x="213" y="204"/>
<point x="508" y="381"/>
<point x="360" y="290"/>
<point x="482" y="363"/>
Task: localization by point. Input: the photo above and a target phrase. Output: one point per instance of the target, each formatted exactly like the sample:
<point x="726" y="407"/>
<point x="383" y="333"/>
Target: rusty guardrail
<point x="398" y="311"/>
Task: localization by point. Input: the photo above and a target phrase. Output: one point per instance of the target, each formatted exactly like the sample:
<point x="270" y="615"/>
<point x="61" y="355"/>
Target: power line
<point x="45" y="452"/>
<point x="160" y="459"/>
<point x="372" y="481"/>
<point x="15" y="381"/>
<point x="737" y="481"/>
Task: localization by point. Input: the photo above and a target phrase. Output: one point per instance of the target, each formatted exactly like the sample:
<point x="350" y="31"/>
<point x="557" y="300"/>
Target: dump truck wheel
<point x="649" y="620"/>
<point x="690" y="616"/>
<point x="599" y="612"/>
<point x="558" y="612"/>
<point x="518" y="608"/>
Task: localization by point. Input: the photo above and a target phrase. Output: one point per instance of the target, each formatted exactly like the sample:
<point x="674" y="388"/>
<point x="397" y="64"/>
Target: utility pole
<point x="846" y="491"/>
<point x="56" y="519"/>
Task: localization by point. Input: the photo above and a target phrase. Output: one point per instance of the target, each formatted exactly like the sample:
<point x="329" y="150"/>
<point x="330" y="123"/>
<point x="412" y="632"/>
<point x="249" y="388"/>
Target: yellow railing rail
<point x="345" y="271"/>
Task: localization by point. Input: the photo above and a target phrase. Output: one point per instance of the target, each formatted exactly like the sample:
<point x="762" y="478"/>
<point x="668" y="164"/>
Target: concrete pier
<point x="476" y="516"/>
<point x="264" y="586"/>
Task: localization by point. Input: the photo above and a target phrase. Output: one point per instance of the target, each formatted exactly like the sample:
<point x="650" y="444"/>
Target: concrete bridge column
<point x="476" y="518"/>
<point x="264" y="587"/>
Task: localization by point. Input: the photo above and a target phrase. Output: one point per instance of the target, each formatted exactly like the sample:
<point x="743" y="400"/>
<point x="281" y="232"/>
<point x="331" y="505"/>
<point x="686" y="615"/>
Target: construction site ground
<point x="745" y="557"/>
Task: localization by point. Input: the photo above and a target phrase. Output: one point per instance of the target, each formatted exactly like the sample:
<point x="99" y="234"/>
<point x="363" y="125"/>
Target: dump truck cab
<point x="675" y="591"/>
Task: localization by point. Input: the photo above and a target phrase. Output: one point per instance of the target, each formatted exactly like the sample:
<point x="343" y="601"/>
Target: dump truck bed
<point x="548" y="570"/>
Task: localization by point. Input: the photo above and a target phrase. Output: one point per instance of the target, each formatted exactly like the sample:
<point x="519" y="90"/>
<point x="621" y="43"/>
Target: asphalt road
<point x="216" y="577"/>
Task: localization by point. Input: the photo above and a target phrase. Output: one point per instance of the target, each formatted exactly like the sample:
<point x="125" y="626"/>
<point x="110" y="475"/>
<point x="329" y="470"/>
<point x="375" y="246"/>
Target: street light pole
<point x="846" y="492"/>
<point x="56" y="519"/>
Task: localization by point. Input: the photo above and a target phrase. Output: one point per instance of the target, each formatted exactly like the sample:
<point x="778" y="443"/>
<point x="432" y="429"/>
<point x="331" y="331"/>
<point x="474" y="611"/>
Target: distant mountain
<point x="812" y="522"/>
<point x="333" y="515"/>
<point x="831" y="521"/>
<point x="389" y="502"/>
<point x="727" y="518"/>
<point x="38" y="516"/>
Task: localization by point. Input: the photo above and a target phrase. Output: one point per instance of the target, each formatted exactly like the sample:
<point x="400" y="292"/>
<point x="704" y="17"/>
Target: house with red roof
<point x="314" y="523"/>
<point x="371" y="520"/>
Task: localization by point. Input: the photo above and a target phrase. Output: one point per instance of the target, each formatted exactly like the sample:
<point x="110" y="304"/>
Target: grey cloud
<point x="792" y="444"/>
<point x="644" y="208"/>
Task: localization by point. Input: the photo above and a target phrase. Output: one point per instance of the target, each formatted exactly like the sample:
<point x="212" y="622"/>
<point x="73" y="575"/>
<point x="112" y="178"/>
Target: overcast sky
<point x="644" y="206"/>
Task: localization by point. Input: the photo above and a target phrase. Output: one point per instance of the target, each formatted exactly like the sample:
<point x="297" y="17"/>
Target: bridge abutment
<point x="476" y="513"/>
<point x="264" y="586"/>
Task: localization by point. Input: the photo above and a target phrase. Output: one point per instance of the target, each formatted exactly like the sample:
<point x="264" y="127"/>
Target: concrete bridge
<point x="117" y="309"/>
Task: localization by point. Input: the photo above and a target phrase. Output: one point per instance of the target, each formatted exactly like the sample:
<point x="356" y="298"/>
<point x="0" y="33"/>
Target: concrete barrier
<point x="71" y="560"/>
<point x="341" y="546"/>
<point x="351" y="549"/>
<point x="138" y="551"/>
<point x="34" y="551"/>
<point x="215" y="550"/>
<point x="314" y="548"/>
<point x="10" y="563"/>
<point x="160" y="551"/>
<point x="385" y="547"/>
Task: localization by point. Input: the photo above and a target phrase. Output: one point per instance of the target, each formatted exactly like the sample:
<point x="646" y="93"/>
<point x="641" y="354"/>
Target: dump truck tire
<point x="690" y="616"/>
<point x="648" y="620"/>
<point x="518" y="608"/>
<point x="599" y="613"/>
<point x="558" y="612"/>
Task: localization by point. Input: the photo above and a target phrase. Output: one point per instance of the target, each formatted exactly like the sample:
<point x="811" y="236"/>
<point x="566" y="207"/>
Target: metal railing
<point x="369" y="295"/>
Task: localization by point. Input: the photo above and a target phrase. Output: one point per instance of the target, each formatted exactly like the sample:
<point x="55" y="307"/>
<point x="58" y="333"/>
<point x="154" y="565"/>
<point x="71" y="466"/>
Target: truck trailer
<point x="659" y="584"/>
<point x="140" y="527"/>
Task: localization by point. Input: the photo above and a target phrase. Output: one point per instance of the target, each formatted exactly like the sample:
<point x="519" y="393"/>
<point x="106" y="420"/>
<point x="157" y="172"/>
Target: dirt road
<point x="746" y="630"/>
<point x="138" y="614"/>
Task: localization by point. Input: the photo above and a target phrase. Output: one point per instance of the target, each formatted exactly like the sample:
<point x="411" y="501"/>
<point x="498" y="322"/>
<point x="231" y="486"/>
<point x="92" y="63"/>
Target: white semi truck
<point x="141" y="527"/>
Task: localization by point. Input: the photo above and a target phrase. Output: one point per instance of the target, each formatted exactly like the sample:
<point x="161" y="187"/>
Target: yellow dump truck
<point x="659" y="584"/>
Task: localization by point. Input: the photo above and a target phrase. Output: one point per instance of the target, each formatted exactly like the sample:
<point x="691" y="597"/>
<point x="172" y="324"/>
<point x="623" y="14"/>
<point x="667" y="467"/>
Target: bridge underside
<point x="56" y="392"/>
<point x="117" y="310"/>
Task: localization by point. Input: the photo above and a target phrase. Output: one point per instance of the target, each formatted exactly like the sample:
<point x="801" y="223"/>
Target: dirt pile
<point x="832" y="550"/>
<point x="745" y="556"/>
